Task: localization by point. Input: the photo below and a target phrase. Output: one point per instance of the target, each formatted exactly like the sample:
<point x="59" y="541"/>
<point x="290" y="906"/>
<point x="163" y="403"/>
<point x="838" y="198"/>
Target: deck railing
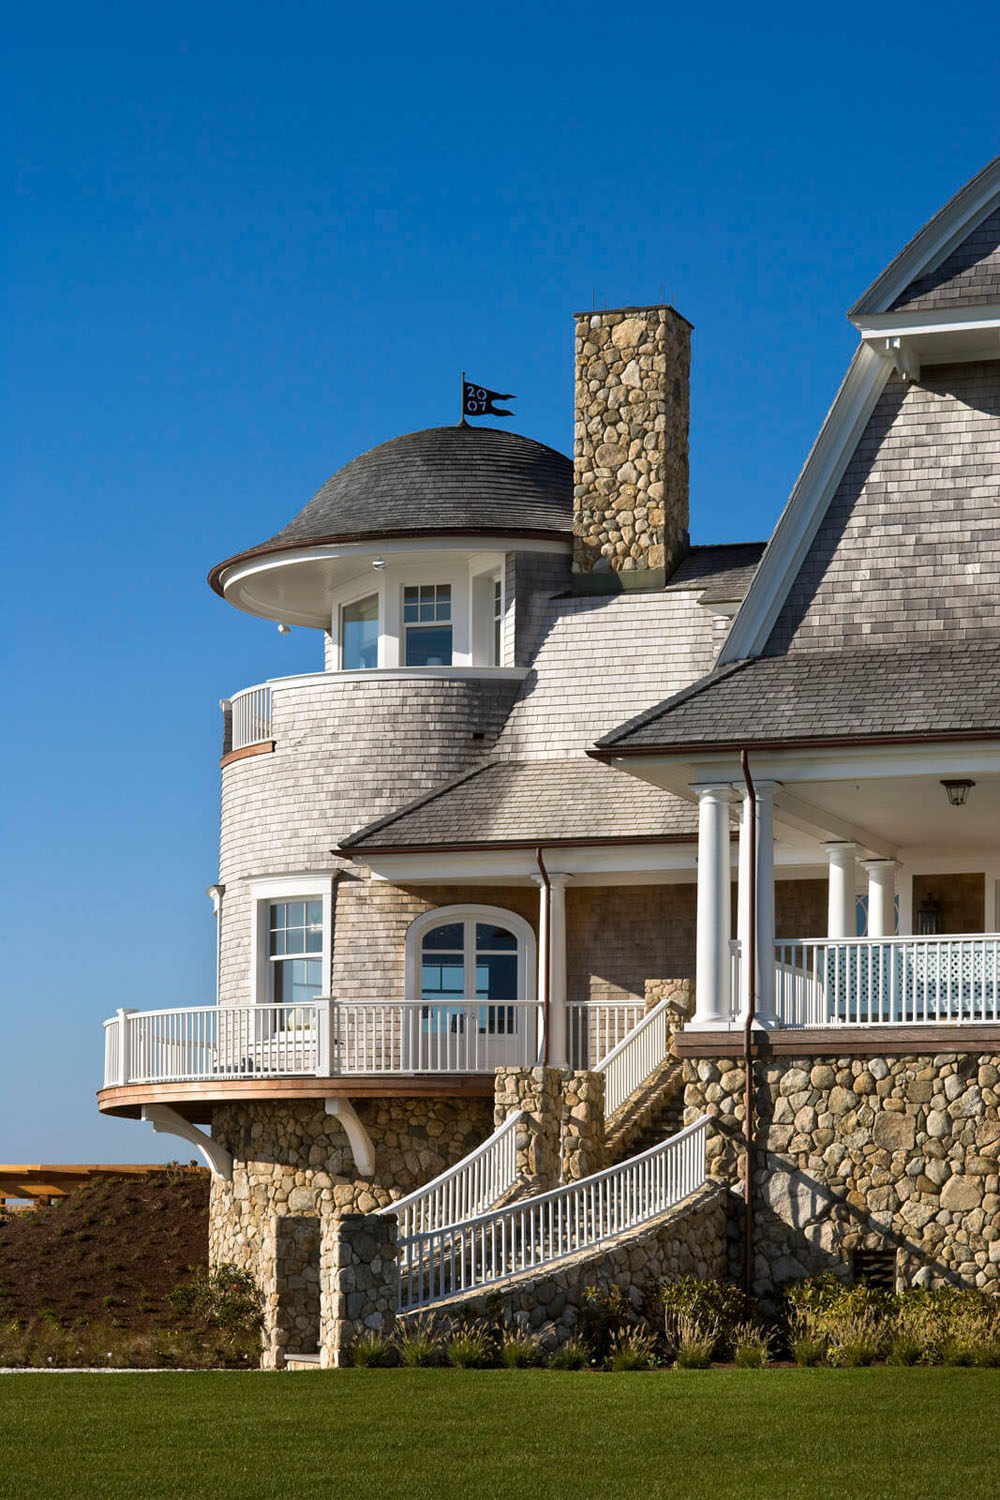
<point x="899" y="981"/>
<point x="465" y="1190"/>
<point x="251" y="721"/>
<point x="634" y="1060"/>
<point x="327" y="1038"/>
<point x="536" y="1232"/>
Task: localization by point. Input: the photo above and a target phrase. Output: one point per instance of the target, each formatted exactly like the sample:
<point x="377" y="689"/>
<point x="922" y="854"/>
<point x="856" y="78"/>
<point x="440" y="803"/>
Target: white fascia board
<point x="519" y="866"/>
<point x="934" y="242"/>
<point x="799" y="521"/>
<point x="397" y="674"/>
<point x="930" y="321"/>
<point x="679" y="774"/>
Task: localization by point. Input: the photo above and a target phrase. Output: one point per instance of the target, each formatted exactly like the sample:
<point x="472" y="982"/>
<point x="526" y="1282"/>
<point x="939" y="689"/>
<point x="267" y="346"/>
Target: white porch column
<point x="542" y="978"/>
<point x="842" y="919"/>
<point x="881" y="897"/>
<point x="744" y="877"/>
<point x="712" y="987"/>
<point x="558" y="1047"/>
<point x="765" y="1011"/>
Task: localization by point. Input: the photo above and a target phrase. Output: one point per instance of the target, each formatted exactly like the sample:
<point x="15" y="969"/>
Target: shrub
<point x="471" y="1348"/>
<point x="806" y="1339"/>
<point x="855" y="1338"/>
<point x="226" y="1296"/>
<point x="632" y="1350"/>
<point x="373" y="1351"/>
<point x="694" y="1342"/>
<point x="602" y="1314"/>
<point x="751" y="1346"/>
<point x="572" y="1356"/>
<point x="520" y="1350"/>
<point x="712" y="1304"/>
<point x="419" y="1344"/>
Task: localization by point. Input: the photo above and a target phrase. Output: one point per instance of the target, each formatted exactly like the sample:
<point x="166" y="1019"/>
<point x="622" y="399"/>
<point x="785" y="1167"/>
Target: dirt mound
<point x="111" y="1252"/>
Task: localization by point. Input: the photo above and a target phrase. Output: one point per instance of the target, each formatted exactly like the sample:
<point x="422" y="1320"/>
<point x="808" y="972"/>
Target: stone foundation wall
<point x="689" y="1240"/>
<point x="358" y="1279"/>
<point x="871" y="1153"/>
<point x="290" y="1282"/>
<point x="292" y="1158"/>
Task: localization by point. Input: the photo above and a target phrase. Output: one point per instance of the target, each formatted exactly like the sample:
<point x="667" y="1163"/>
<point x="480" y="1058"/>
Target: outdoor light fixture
<point x="958" y="791"/>
<point x="283" y="629"/>
<point x="378" y="563"/>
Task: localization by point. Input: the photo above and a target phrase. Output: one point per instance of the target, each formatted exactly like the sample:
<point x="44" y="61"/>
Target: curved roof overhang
<point x="293" y="583"/>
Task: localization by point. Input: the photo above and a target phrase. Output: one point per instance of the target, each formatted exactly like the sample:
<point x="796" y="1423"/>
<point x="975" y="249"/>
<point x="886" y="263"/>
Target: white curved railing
<point x="898" y="981"/>
<point x="627" y="1067"/>
<point x="468" y="1188"/>
<point x="251" y="716"/>
<point x="326" y="1038"/>
<point x="537" y="1232"/>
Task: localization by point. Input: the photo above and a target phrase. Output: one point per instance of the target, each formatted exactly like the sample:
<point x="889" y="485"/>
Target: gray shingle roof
<point x="540" y="802"/>
<point x="968" y="277"/>
<point x="724" y="571"/>
<point x="936" y="690"/>
<point x="444" y="479"/>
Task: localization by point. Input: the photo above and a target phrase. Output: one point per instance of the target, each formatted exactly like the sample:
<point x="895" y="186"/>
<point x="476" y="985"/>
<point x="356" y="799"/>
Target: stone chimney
<point x="630" y="506"/>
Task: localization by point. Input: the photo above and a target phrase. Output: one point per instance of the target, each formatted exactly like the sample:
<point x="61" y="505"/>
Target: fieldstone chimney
<point x="630" y="507"/>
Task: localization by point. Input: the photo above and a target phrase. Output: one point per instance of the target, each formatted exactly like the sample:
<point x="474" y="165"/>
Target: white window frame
<point x="527" y="962"/>
<point x="263" y="893"/>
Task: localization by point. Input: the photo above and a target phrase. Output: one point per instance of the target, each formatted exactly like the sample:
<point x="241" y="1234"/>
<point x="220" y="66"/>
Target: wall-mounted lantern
<point x="958" y="791"/>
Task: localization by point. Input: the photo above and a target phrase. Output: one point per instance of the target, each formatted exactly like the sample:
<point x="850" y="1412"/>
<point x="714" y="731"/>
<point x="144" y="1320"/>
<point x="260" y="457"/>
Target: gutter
<point x="748" y="1039"/>
<point x="830" y="742"/>
<point x="544" y="956"/>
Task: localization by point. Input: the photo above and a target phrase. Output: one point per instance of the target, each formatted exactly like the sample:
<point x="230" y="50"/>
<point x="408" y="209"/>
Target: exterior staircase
<point x="649" y="1115"/>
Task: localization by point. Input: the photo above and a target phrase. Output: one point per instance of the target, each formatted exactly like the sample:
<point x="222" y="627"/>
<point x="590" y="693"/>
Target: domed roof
<point x="444" y="480"/>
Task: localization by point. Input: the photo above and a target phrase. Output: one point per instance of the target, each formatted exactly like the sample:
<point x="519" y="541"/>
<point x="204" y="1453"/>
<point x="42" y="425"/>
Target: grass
<point x="405" y="1434"/>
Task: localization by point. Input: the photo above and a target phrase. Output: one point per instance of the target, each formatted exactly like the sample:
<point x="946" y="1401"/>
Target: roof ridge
<point x="422" y="801"/>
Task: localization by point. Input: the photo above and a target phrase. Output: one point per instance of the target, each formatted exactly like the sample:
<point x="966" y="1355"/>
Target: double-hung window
<point x="427" y="625"/>
<point x="295" y="951"/>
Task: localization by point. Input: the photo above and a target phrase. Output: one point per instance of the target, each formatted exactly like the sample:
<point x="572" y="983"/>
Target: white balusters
<point x="482" y="1250"/>
<point x="899" y="981"/>
<point x="594" y="1028"/>
<point x="465" y="1190"/>
<point x="627" y="1067"/>
<point x="251" y="711"/>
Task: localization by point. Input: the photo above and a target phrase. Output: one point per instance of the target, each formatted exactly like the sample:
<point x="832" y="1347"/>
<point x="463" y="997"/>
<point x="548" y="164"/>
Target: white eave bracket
<point x="360" y="1141"/>
<point x="904" y="356"/>
<point x="166" y="1121"/>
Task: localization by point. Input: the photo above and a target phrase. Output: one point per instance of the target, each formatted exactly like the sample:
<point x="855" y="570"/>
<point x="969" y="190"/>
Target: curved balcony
<point x="213" y="1052"/>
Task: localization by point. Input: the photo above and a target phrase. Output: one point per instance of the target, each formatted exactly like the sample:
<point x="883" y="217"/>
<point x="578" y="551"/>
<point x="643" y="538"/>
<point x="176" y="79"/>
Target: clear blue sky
<point x="247" y="242"/>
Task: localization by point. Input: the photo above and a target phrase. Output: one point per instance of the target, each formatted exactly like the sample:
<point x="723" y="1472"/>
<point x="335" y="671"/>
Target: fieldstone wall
<point x="539" y="1092"/>
<point x="689" y="1240"/>
<point x="870" y="1153"/>
<point x="582" y="1140"/>
<point x="358" y="1281"/>
<point x="290" y="1282"/>
<point x="291" y="1158"/>
<point x="631" y="444"/>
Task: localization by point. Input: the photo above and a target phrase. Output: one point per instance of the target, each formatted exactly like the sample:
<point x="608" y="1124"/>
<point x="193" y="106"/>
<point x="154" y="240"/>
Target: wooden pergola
<point x="42" y="1183"/>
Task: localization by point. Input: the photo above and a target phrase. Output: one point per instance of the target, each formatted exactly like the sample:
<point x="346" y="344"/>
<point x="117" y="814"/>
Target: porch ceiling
<point x="908" y="812"/>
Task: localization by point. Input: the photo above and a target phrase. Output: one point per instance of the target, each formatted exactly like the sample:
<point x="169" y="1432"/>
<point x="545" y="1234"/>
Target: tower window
<point x="497" y="621"/>
<point x="295" y="949"/>
<point x="359" y="634"/>
<point x="427" y="625"/>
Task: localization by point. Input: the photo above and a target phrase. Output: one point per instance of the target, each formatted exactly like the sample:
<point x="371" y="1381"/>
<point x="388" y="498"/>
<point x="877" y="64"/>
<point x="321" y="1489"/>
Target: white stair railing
<point x="627" y="1067"/>
<point x="465" y="1190"/>
<point x="536" y="1232"/>
<point x="594" y="1028"/>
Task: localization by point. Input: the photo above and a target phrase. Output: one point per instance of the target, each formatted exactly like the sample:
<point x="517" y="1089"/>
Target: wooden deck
<point x="196" y="1100"/>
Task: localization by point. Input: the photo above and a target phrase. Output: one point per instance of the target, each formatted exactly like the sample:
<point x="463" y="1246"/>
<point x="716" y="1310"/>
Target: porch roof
<point x="926" y="691"/>
<point x="536" y="802"/>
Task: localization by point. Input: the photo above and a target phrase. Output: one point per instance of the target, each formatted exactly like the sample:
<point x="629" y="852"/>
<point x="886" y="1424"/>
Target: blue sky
<point x="245" y="243"/>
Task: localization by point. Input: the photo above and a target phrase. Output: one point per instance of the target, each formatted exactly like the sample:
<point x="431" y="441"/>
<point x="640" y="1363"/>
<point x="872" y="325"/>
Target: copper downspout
<point x="748" y="1088"/>
<point x="544" y="954"/>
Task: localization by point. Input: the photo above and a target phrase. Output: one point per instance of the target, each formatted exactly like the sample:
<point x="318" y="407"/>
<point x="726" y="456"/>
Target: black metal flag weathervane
<point x="477" y="401"/>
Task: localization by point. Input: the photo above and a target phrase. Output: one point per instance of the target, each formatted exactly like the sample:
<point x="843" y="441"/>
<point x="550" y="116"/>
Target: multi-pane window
<point x="497" y="620"/>
<point x="427" y="625"/>
<point x="359" y="634"/>
<point x="469" y="960"/>
<point x="295" y="949"/>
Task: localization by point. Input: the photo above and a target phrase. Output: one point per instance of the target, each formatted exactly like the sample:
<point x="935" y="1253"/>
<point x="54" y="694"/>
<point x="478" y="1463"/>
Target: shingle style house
<point x="578" y="814"/>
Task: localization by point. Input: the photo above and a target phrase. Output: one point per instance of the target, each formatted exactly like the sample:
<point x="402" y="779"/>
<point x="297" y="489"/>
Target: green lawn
<point x="503" y="1435"/>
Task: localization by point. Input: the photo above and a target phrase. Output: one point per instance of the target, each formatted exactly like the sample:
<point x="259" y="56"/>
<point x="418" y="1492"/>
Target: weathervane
<point x="477" y="401"/>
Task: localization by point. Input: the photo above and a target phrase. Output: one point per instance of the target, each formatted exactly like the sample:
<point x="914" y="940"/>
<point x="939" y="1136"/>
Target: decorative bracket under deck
<point x="166" y="1121"/>
<point x="360" y="1141"/>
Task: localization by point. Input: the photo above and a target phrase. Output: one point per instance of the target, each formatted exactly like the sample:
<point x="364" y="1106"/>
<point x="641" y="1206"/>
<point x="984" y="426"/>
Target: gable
<point x="909" y="547"/>
<point x="968" y="277"/>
